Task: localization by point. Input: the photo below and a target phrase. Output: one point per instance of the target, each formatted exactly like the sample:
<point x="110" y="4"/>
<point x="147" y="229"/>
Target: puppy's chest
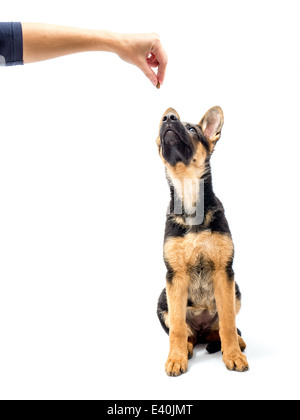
<point x="201" y="288"/>
<point x="197" y="256"/>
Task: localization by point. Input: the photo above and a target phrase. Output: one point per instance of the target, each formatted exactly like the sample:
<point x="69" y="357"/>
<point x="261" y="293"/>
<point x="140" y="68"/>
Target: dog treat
<point x="158" y="86"/>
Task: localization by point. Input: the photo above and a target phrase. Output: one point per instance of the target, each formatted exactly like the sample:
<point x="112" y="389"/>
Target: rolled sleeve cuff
<point x="11" y="44"/>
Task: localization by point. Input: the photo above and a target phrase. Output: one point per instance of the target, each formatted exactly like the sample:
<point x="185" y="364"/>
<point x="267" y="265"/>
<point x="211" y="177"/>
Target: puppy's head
<point x="186" y="148"/>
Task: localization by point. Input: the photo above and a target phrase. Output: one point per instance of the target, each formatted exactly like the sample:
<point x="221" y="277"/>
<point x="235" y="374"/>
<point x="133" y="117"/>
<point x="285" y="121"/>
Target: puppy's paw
<point x="236" y="361"/>
<point x="176" y="365"/>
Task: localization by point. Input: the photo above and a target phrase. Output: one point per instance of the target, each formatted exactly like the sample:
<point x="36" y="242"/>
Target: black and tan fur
<point x="201" y="298"/>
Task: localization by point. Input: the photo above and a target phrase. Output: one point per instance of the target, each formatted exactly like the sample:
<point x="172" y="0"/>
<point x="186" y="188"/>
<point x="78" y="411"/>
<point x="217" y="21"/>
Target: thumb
<point x="146" y="69"/>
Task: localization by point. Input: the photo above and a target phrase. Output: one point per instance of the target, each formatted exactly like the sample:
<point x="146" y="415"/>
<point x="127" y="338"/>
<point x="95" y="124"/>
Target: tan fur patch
<point x="183" y="252"/>
<point x="177" y="297"/>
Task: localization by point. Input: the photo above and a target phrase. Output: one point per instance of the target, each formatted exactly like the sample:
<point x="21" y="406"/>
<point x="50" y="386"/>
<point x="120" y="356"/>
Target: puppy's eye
<point x="192" y="129"/>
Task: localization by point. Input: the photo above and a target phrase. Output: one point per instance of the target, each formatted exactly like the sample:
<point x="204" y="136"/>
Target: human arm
<point x="44" y="42"/>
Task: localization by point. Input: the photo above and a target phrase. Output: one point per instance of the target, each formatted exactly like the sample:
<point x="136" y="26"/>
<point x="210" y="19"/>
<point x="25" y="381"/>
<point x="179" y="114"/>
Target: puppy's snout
<point x="169" y="118"/>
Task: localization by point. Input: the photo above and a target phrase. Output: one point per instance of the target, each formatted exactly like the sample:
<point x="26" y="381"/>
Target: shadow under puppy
<point x="201" y="298"/>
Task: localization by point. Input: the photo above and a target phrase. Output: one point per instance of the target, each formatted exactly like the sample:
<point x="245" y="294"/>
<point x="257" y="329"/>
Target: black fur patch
<point x="161" y="307"/>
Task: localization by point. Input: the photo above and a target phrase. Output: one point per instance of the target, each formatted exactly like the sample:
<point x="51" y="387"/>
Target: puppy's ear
<point x="211" y="125"/>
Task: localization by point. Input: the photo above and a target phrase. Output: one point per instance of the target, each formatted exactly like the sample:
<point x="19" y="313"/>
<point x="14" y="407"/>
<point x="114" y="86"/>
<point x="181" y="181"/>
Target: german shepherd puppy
<point x="201" y="298"/>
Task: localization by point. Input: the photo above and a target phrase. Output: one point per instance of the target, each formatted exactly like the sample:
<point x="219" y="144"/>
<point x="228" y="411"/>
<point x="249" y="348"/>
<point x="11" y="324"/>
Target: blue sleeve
<point x="11" y="44"/>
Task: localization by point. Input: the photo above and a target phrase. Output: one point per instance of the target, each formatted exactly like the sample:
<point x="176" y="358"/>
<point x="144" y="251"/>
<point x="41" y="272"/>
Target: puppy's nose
<point x="168" y="118"/>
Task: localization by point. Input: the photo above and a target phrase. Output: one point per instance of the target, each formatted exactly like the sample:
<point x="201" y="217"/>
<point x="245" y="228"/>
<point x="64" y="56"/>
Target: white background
<point x="83" y="200"/>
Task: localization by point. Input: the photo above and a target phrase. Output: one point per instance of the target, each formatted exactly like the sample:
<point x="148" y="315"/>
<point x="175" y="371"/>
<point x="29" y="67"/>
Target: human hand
<point x="146" y="52"/>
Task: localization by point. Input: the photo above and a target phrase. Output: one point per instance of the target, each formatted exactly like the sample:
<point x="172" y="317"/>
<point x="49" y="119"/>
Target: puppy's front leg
<point x="224" y="289"/>
<point x="177" y="291"/>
